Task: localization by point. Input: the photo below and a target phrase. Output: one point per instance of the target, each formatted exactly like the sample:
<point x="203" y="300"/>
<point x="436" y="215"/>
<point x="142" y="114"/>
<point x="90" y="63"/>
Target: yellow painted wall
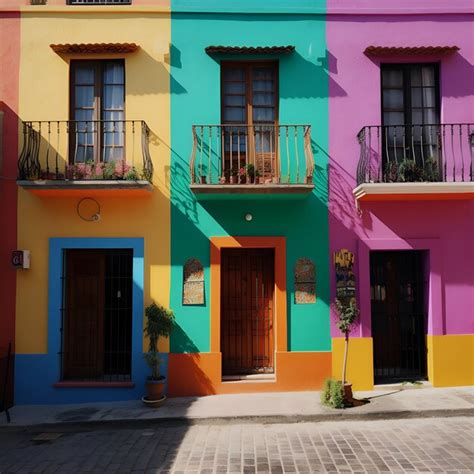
<point x="451" y="360"/>
<point x="360" y="365"/>
<point x="44" y="95"/>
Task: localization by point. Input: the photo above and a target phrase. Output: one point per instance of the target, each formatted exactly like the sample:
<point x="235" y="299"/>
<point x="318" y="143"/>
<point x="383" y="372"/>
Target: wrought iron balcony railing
<point x="85" y="150"/>
<point x="416" y="153"/>
<point x="251" y="154"/>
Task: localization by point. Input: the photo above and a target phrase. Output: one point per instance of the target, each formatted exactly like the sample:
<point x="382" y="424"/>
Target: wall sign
<point x="21" y="259"/>
<point x="193" y="282"/>
<point x="345" y="278"/>
<point x="305" y="281"/>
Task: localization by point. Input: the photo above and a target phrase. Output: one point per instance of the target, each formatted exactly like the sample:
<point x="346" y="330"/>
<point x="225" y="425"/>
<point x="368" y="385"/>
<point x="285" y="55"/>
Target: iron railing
<point x="251" y="154"/>
<point x="99" y="2"/>
<point x="85" y="150"/>
<point x="416" y="153"/>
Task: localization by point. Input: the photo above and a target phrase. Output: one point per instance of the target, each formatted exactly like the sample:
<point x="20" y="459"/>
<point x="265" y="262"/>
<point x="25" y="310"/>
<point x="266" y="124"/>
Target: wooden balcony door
<point x="398" y="315"/>
<point x="250" y="104"/>
<point x="247" y="306"/>
<point x="97" y="128"/>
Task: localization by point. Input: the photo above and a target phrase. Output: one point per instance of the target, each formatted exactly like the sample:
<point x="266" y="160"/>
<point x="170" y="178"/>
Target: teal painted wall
<point x="195" y="89"/>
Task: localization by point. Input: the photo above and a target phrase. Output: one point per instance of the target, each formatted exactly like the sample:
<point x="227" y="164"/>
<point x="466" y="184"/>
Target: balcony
<point x="415" y="162"/>
<point x="69" y="157"/>
<point x="248" y="161"/>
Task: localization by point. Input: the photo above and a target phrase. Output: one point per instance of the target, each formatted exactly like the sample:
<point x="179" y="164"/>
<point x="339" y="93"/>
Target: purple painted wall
<point x="445" y="228"/>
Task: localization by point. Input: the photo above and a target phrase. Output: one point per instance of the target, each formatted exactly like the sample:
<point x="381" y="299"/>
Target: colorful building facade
<point x="220" y="160"/>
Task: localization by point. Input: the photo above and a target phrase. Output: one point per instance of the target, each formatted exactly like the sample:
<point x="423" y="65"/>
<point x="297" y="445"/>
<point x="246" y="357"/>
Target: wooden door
<point x="250" y="104"/>
<point x="398" y="315"/>
<point x="83" y="325"/>
<point x="247" y="287"/>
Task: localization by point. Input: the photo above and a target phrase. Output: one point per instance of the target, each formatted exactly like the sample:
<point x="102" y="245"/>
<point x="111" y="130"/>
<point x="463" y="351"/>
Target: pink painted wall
<point x="446" y="228"/>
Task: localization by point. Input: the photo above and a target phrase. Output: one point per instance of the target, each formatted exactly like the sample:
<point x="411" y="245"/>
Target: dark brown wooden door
<point x="247" y="287"/>
<point x="83" y="339"/>
<point x="398" y="315"/>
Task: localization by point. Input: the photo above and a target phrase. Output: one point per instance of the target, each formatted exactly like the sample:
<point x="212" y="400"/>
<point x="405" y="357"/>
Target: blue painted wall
<point x="35" y="374"/>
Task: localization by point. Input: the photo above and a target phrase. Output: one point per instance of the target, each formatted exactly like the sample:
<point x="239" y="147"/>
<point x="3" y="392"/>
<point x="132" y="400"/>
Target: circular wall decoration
<point x="88" y="209"/>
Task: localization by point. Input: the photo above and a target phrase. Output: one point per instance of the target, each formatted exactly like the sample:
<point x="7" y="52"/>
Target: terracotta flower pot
<point x="155" y="388"/>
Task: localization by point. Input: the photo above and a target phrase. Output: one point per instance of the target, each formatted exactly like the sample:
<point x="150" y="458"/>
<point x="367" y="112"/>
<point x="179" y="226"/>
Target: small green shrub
<point x="332" y="394"/>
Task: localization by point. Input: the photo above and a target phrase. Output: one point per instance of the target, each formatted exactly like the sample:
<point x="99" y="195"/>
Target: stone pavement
<point x="421" y="445"/>
<point x="257" y="407"/>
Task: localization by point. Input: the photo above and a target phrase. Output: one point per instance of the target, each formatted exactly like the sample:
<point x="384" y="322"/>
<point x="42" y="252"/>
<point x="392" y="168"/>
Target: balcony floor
<point x="98" y="188"/>
<point x="413" y="191"/>
<point x="251" y="191"/>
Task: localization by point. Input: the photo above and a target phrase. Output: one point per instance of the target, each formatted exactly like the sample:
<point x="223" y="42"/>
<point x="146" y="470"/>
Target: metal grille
<point x="97" y="315"/>
<point x="100" y="2"/>
<point x="247" y="311"/>
<point x="398" y="316"/>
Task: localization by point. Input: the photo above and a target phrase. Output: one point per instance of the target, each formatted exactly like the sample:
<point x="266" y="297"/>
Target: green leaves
<point x="347" y="314"/>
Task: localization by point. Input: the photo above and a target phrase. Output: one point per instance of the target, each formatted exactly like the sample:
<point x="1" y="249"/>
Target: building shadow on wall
<point x="190" y="373"/>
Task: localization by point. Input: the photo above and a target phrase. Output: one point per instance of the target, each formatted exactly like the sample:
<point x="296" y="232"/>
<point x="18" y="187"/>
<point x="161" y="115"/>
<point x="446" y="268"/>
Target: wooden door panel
<point x="83" y="352"/>
<point x="247" y="285"/>
<point x="398" y="315"/>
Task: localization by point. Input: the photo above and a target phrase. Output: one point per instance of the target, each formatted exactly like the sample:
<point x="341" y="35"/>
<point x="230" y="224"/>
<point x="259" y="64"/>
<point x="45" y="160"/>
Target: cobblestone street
<point x="416" y="445"/>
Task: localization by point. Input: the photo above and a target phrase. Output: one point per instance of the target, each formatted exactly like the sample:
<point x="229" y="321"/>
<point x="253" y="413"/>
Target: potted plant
<point x="250" y="172"/>
<point x="242" y="175"/>
<point x="233" y="176"/>
<point x="347" y="314"/>
<point x="159" y="323"/>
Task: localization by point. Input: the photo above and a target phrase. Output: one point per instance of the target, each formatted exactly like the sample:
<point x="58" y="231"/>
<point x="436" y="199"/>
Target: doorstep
<point x="249" y="378"/>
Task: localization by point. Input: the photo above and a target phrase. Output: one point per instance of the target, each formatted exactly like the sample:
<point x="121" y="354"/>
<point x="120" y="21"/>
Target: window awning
<point x="250" y="49"/>
<point x="410" y="50"/>
<point x="94" y="48"/>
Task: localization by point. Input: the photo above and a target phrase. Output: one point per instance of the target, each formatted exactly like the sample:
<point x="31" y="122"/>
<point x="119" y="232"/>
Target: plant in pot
<point x="234" y="176"/>
<point x="159" y="323"/>
<point x="242" y="175"/>
<point x="250" y="168"/>
<point x="410" y="172"/>
<point x="347" y="314"/>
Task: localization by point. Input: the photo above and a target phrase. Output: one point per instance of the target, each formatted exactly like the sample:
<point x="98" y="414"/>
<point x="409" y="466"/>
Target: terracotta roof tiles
<point x="94" y="48"/>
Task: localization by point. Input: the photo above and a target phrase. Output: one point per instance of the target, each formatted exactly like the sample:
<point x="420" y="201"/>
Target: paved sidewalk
<point x="401" y="402"/>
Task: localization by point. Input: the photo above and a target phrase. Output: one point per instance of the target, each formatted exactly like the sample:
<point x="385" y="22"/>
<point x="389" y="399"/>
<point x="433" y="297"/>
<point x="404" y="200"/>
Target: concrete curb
<point x="137" y="423"/>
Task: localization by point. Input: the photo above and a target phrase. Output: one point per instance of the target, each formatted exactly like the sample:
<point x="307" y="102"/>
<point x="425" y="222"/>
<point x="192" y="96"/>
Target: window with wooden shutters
<point x="250" y="105"/>
<point x="410" y="111"/>
<point x="97" y="111"/>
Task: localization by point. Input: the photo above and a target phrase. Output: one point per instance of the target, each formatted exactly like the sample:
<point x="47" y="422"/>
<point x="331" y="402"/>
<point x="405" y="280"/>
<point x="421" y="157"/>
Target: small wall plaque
<point x="193" y="282"/>
<point x="305" y="281"/>
<point x="345" y="278"/>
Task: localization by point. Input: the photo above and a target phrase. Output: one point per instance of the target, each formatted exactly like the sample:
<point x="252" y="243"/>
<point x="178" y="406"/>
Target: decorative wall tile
<point x="305" y="281"/>
<point x="193" y="282"/>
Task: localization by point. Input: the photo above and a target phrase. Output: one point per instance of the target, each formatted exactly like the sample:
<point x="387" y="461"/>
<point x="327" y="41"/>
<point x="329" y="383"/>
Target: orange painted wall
<point x="200" y="374"/>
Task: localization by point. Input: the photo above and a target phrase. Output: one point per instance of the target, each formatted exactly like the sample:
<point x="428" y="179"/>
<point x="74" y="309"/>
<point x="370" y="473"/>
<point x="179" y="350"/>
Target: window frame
<point x="98" y="65"/>
<point x="407" y="88"/>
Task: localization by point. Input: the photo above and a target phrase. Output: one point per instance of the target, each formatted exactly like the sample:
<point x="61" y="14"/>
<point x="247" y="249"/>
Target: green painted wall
<point x="195" y="89"/>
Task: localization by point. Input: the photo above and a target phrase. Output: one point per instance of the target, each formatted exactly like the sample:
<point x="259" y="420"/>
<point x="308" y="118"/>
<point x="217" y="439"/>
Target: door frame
<point x="399" y="318"/>
<point x="436" y="318"/>
<point x="270" y="341"/>
<point x="280" y="313"/>
<point x="57" y="245"/>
